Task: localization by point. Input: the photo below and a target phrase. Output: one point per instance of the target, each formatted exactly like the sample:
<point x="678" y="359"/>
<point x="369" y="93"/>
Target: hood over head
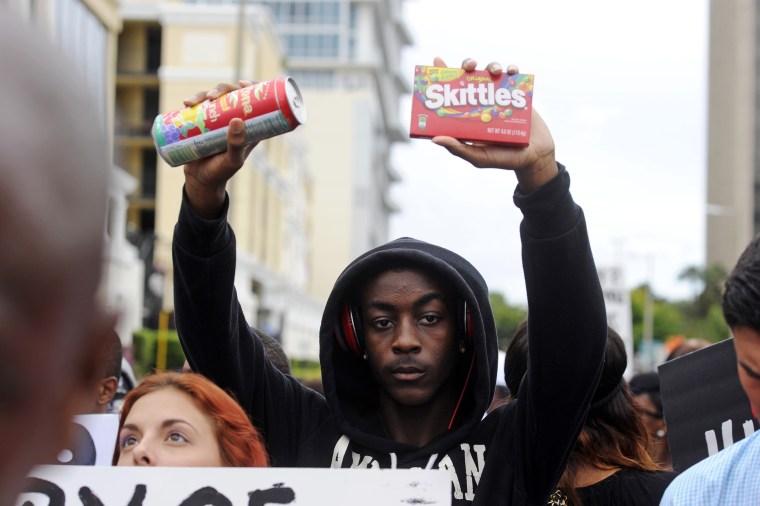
<point x="350" y="388"/>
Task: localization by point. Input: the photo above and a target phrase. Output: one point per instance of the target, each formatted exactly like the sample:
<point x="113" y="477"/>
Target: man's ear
<point x="106" y="392"/>
<point x="89" y="375"/>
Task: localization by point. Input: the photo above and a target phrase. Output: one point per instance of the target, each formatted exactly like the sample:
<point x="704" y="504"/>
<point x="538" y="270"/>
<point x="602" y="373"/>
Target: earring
<point x="462" y="347"/>
<point x="364" y="356"/>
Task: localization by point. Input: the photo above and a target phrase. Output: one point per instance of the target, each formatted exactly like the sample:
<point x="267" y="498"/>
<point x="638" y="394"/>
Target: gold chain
<point x="558" y="498"/>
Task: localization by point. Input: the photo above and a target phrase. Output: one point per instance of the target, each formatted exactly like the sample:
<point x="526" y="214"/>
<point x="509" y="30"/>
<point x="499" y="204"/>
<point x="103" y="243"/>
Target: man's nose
<point x="406" y="339"/>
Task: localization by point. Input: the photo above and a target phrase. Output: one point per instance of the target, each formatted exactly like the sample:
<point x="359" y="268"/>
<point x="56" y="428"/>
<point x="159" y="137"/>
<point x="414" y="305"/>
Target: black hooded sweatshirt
<point x="513" y="456"/>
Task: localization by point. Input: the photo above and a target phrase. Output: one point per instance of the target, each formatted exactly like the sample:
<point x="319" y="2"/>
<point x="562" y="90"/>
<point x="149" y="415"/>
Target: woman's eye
<point x="176" y="437"/>
<point x="128" y="441"/>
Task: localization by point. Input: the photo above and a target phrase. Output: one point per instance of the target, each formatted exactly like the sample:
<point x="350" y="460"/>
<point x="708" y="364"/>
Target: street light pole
<point x="648" y="327"/>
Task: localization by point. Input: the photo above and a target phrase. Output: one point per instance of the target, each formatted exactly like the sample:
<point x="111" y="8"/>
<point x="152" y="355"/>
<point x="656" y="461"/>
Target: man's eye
<point x="383" y="323"/>
<point x="430" y="318"/>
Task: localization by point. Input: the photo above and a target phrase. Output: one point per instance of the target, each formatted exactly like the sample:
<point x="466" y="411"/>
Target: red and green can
<point x="268" y="108"/>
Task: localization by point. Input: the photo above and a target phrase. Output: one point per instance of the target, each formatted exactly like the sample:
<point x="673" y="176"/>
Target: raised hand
<point x="534" y="164"/>
<point x="206" y="178"/>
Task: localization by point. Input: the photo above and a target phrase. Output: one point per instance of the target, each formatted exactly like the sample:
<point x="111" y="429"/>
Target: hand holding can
<point x="267" y="109"/>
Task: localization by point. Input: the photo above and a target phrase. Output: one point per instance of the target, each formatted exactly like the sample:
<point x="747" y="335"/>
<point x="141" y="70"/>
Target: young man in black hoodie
<point x="408" y="341"/>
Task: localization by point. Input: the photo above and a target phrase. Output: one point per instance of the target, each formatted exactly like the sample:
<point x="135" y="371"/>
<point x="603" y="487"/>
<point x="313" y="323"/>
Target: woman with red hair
<point x="182" y="419"/>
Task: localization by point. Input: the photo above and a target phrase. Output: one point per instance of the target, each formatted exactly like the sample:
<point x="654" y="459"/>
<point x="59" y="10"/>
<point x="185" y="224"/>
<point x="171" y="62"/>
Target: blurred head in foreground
<point x="53" y="167"/>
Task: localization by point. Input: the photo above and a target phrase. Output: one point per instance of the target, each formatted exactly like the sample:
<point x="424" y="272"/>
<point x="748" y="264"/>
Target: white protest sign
<point x="617" y="299"/>
<point x="232" y="486"/>
<point x="94" y="440"/>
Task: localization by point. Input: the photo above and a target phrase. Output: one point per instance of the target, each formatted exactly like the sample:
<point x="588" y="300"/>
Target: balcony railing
<point x="134" y="129"/>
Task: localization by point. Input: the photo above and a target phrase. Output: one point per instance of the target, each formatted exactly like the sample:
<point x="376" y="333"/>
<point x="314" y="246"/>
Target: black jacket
<point x="514" y="456"/>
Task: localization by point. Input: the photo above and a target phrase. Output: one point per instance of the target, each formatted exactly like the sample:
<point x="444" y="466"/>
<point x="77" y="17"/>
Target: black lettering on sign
<point x="206" y="496"/>
<point x="90" y="499"/>
<point x="279" y="494"/>
<point x="53" y="492"/>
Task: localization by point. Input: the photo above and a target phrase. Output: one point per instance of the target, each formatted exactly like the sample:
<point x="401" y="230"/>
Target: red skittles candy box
<point x="472" y="105"/>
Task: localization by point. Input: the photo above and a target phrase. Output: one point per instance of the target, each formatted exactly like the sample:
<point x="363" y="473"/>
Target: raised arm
<point x="215" y="336"/>
<point x="567" y="318"/>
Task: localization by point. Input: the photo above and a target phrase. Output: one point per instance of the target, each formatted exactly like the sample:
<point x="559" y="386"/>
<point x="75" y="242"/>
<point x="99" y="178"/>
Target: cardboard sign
<point x="617" y="300"/>
<point x="93" y="442"/>
<point x="705" y="408"/>
<point x="233" y="486"/>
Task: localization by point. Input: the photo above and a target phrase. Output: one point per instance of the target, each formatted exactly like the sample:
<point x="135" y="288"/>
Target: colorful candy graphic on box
<point x="472" y="105"/>
<point x="268" y="108"/>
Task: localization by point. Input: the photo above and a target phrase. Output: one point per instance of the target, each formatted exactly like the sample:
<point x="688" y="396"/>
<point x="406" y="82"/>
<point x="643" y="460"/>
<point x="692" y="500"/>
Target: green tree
<point x="667" y="320"/>
<point x="709" y="283"/>
<point x="507" y="317"/>
<point x="703" y="314"/>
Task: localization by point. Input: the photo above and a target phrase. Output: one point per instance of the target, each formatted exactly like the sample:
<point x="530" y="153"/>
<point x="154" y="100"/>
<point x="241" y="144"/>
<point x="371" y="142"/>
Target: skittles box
<point x="472" y="105"/>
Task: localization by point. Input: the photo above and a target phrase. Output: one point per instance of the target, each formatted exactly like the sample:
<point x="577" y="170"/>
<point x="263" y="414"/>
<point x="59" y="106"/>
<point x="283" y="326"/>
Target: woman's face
<point x="166" y="428"/>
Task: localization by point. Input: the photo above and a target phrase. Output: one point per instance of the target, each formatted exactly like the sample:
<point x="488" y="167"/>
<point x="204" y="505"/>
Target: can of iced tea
<point x="268" y="108"/>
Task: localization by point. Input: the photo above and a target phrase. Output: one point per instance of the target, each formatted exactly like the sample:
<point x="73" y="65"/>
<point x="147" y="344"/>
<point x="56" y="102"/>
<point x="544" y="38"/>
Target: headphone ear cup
<point x="467" y="323"/>
<point x="356" y="318"/>
<point x="346" y="331"/>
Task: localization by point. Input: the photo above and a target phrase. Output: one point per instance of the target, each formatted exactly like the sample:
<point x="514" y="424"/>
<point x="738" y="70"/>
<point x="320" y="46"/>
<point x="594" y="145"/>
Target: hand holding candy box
<point x="532" y="160"/>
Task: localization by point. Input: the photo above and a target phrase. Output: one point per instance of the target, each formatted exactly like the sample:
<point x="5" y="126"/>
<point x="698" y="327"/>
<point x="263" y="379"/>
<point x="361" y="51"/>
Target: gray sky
<point x="623" y="89"/>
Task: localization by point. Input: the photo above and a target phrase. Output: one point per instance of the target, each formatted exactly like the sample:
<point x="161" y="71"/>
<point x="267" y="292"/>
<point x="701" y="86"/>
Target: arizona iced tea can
<point x="268" y="108"/>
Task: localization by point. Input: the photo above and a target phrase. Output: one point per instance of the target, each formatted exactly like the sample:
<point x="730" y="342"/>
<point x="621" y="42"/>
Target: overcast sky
<point x="623" y="89"/>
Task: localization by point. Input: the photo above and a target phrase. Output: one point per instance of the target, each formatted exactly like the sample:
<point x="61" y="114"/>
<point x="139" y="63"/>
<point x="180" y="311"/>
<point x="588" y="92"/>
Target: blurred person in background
<point x="53" y="194"/>
<point x="109" y="384"/>
<point x="181" y="419"/>
<point x="731" y="475"/>
<point x="610" y="464"/>
<point x="501" y="394"/>
<point x="687" y="346"/>
<point x="645" y="388"/>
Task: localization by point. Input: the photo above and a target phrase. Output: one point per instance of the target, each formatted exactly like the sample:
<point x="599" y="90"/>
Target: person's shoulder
<point x="651" y="484"/>
<point x="730" y="473"/>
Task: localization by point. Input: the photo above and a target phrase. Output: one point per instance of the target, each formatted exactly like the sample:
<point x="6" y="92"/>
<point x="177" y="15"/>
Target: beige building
<point x="346" y="57"/>
<point x="733" y="161"/>
<point x="169" y="50"/>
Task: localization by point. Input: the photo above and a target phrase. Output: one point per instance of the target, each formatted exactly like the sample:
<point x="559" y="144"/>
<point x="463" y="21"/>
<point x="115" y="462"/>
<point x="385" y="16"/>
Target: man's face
<point x="410" y="334"/>
<point x="747" y="345"/>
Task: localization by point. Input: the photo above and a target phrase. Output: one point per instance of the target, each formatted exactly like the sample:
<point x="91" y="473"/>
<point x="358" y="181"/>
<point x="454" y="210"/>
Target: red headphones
<point x="350" y="336"/>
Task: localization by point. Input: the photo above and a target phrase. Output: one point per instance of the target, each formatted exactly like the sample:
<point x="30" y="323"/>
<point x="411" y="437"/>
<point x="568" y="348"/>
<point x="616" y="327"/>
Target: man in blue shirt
<point x="730" y="477"/>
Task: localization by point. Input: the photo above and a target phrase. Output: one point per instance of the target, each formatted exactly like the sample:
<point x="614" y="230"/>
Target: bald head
<point x="53" y="167"/>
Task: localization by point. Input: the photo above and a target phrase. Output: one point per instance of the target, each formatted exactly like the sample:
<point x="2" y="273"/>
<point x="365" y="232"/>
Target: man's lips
<point x="407" y="372"/>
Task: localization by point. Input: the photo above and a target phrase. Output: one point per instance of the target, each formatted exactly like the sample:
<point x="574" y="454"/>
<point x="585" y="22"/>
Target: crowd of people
<point x="408" y="344"/>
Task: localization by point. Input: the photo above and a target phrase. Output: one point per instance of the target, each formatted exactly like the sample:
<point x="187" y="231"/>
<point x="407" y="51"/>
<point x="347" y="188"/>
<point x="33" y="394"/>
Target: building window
<point x="148" y="179"/>
<point x="83" y="38"/>
<point x="320" y="79"/>
<point x="153" y="58"/>
<point x="312" y="45"/>
<point x="306" y="13"/>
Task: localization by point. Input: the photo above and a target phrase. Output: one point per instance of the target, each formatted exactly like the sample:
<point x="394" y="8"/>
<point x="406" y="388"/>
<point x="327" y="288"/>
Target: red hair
<point x="240" y="444"/>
